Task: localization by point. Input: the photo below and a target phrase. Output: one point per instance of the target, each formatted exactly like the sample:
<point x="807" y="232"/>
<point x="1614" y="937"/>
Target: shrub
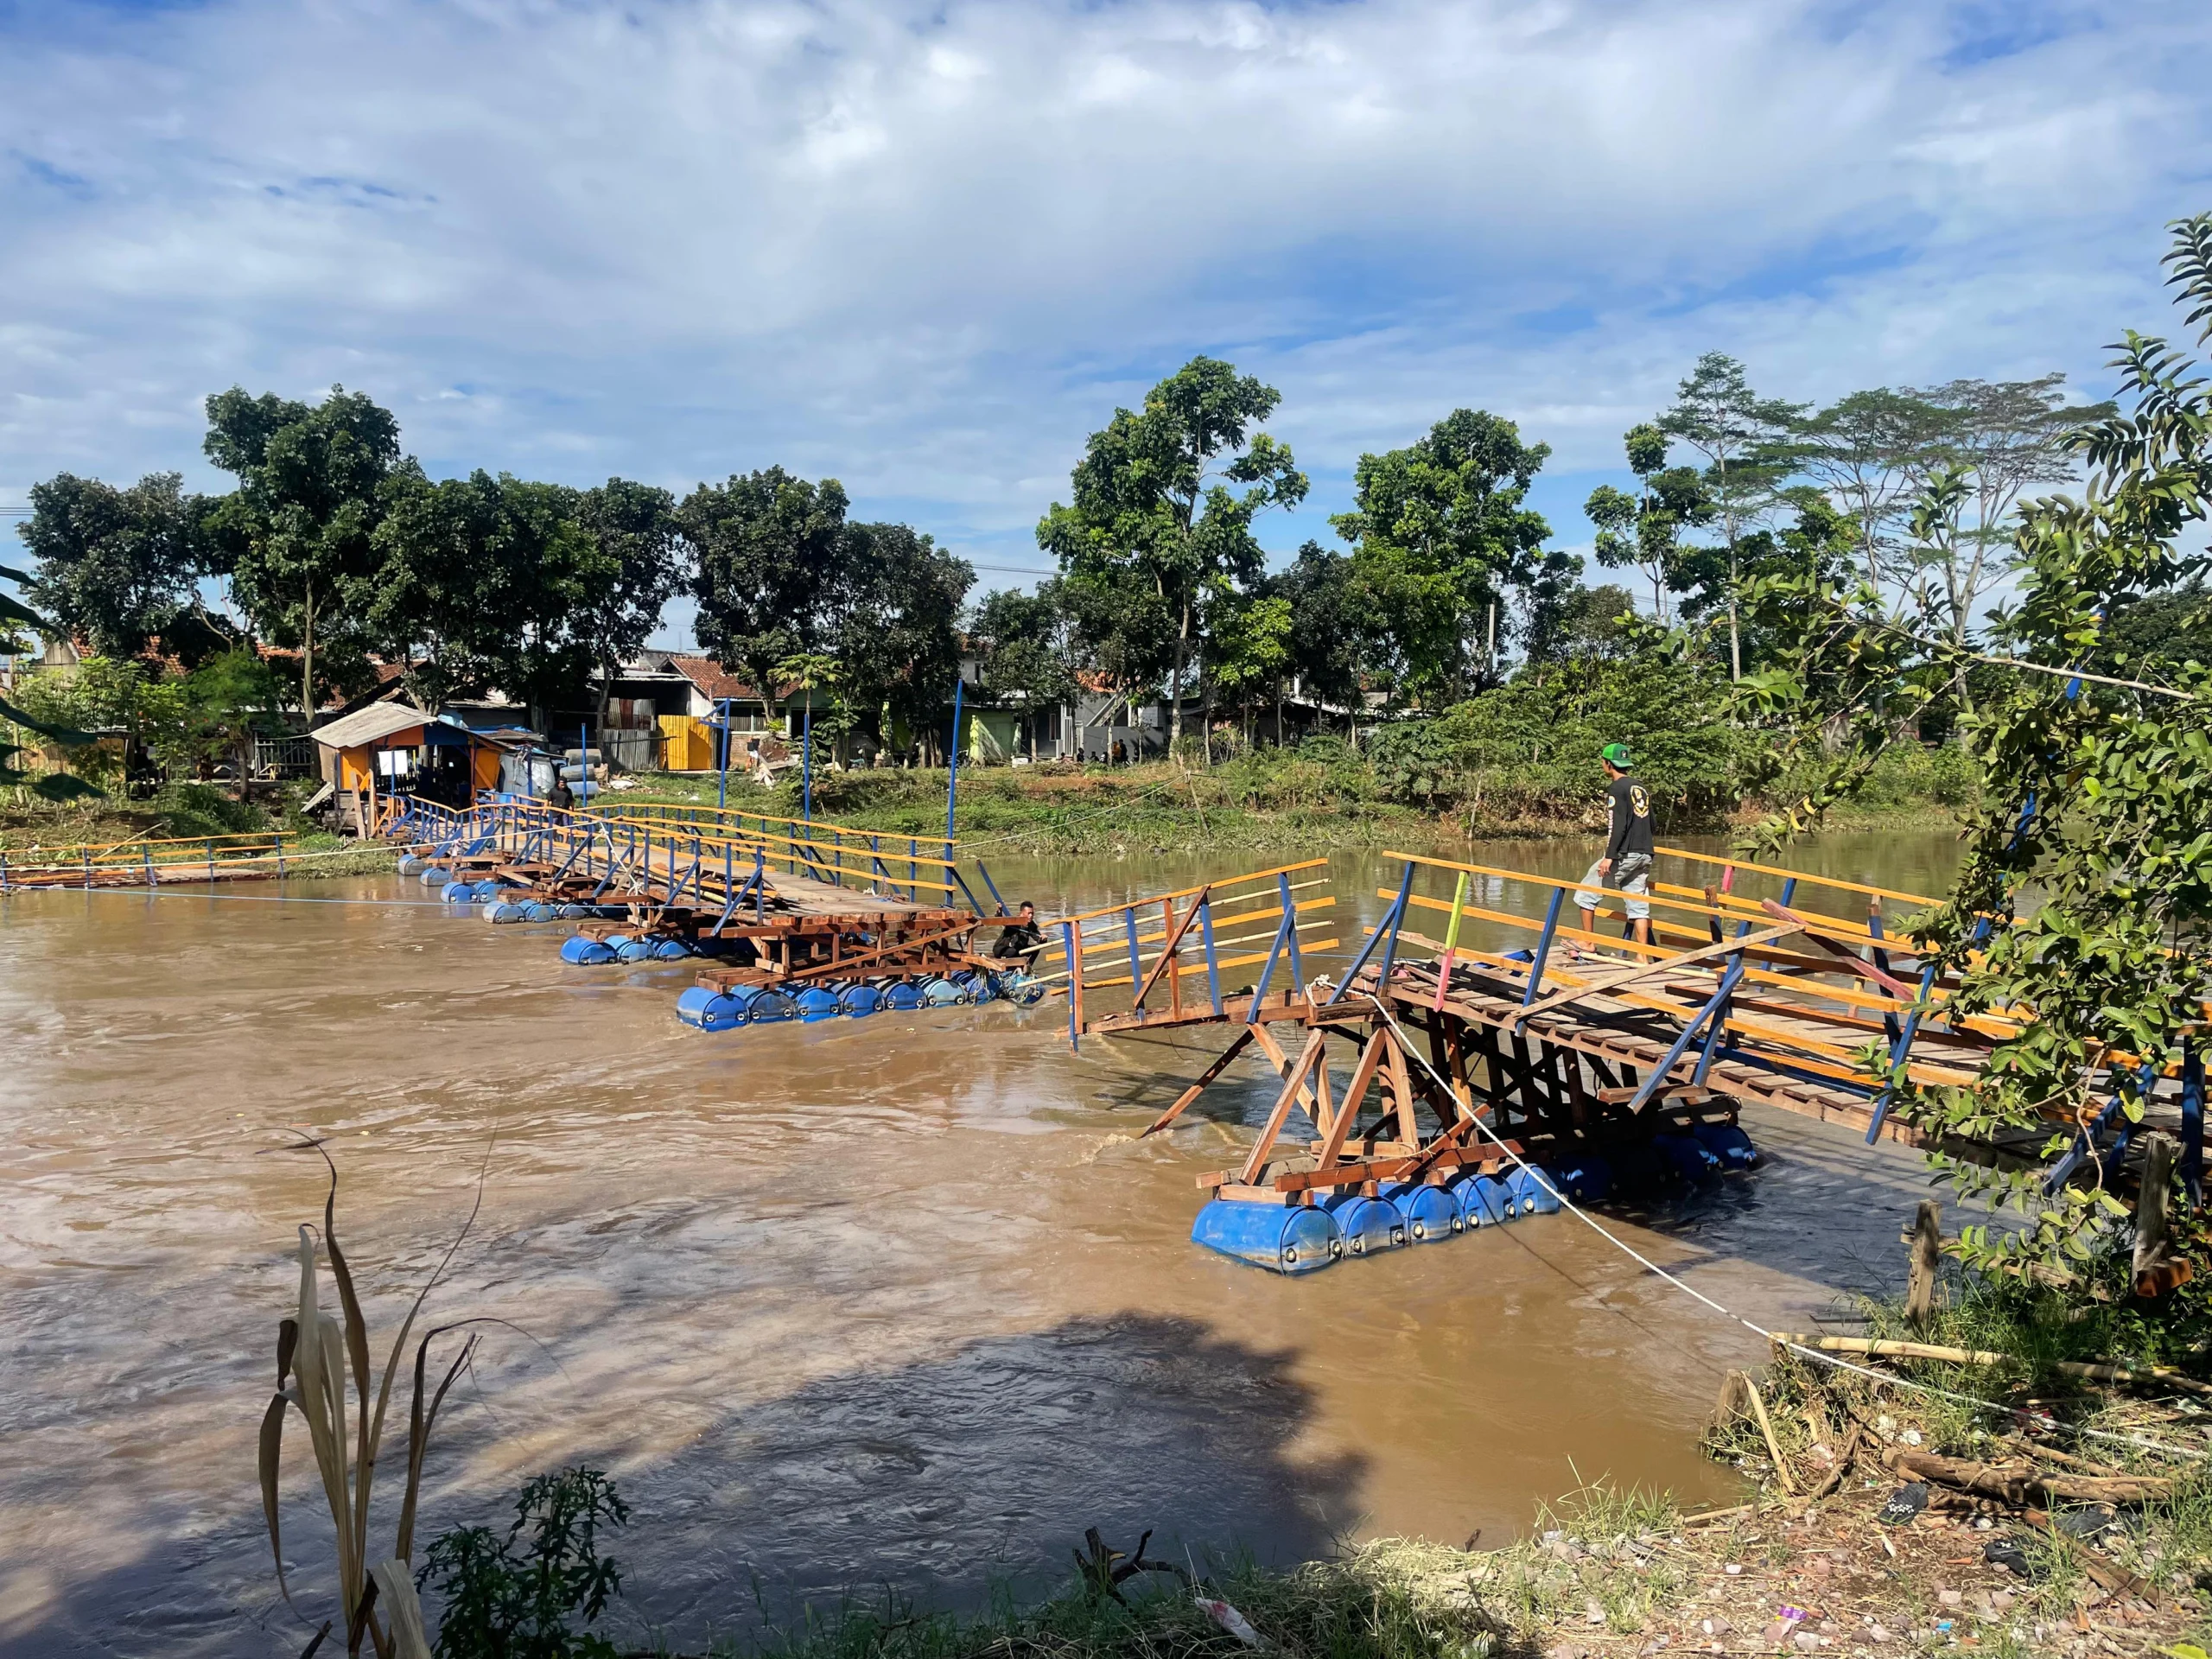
<point x="502" y="1602"/>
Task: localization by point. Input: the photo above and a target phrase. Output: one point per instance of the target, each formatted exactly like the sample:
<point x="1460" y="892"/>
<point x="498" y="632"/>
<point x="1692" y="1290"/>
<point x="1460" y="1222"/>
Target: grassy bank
<point x="187" y="812"/>
<point x="1322" y="794"/>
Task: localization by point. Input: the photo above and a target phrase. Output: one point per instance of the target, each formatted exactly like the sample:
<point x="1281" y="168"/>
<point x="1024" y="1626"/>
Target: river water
<point x="892" y="1301"/>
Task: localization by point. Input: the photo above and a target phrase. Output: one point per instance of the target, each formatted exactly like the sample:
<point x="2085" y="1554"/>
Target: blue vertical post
<point x="1067" y="941"/>
<point x="1137" y="974"/>
<point x="583" y="766"/>
<point x="721" y="789"/>
<point x="1543" y="947"/>
<point x="1213" y="962"/>
<point x="1385" y="929"/>
<point x="1290" y="934"/>
<point x="2192" y="1121"/>
<point x="952" y="778"/>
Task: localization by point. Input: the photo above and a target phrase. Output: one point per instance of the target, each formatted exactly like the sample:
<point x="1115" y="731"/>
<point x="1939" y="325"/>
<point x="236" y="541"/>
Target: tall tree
<point x="115" y="566"/>
<point x="1249" y="635"/>
<point x="1441" y="530"/>
<point x="546" y="565"/>
<point x="1744" y="439"/>
<point x="638" y="570"/>
<point x="436" y="605"/>
<point x="295" y="537"/>
<point x="1645" y="529"/>
<point x="896" y="622"/>
<point x="1872" y="451"/>
<point x="1153" y="502"/>
<point x="1027" y="650"/>
<point x="1332" y="642"/>
<point x="767" y="547"/>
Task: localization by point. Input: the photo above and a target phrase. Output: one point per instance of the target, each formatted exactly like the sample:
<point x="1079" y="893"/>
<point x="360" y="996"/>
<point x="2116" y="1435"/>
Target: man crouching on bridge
<point x="1626" y="866"/>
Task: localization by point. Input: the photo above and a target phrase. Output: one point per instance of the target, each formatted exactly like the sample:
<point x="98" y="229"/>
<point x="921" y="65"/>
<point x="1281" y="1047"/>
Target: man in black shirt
<point x="1626" y="865"/>
<point x="1021" y="939"/>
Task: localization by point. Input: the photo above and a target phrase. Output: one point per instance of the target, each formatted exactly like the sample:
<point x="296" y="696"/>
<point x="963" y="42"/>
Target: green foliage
<point x="115" y="566"/>
<point x="1530" y="748"/>
<point x="505" y="1602"/>
<point x="1441" y="530"/>
<point x="1153" y="511"/>
<point x="1645" y="529"/>
<point x="296" y="536"/>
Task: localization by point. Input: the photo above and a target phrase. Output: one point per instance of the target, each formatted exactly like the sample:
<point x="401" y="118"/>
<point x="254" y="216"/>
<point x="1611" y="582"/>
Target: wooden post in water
<point x="1927" y="1240"/>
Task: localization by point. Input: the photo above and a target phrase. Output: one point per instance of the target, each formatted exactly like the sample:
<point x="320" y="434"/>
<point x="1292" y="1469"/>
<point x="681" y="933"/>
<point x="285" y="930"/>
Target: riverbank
<point x="1848" y="1545"/>
<point x="1263" y="803"/>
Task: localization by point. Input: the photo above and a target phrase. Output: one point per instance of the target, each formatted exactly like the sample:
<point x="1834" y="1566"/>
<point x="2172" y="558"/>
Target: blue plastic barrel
<point x="709" y="1009"/>
<point x="574" y="912"/>
<point x="671" y="950"/>
<point x="436" y="875"/>
<point x="638" y="948"/>
<point x="861" y="1001"/>
<point x="1428" y="1212"/>
<point x="1527" y="1195"/>
<point x="504" y="912"/>
<point x="1022" y="990"/>
<point x="943" y="993"/>
<point x="819" y="1001"/>
<point x="410" y="865"/>
<point x="460" y="893"/>
<point x="583" y="953"/>
<point x="902" y="996"/>
<point x="765" y="1005"/>
<point x="1582" y="1176"/>
<point x="1370" y="1225"/>
<point x="1638" y="1171"/>
<point x="538" y="911"/>
<point x="1687" y="1157"/>
<point x="979" y="985"/>
<point x="1283" y="1238"/>
<point x="1728" y="1143"/>
<point x="1482" y="1201"/>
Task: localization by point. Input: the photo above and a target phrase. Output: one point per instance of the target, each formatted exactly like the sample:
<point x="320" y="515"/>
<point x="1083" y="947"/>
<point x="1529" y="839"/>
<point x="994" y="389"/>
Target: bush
<point x="505" y="1603"/>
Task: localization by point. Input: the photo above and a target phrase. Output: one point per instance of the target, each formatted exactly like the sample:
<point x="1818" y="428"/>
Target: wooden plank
<point x="1237" y="1045"/>
<point x="1293" y="1087"/>
<point x="1606" y="982"/>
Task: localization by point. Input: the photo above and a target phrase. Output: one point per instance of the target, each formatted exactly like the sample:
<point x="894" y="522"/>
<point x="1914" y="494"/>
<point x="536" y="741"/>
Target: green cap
<point x="1615" y="752"/>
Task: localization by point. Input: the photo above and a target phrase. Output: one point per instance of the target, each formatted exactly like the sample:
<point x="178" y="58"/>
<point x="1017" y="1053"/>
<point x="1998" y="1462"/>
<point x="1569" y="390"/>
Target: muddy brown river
<point x="890" y="1301"/>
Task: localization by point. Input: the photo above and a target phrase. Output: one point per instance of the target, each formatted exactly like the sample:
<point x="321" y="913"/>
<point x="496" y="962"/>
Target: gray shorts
<point x="1629" y="876"/>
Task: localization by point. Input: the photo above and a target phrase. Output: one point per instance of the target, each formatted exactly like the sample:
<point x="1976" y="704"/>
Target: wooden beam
<point x="1237" y="1045"/>
<point x="1168" y="951"/>
<point x="1293" y="1087"/>
<point x="1606" y="982"/>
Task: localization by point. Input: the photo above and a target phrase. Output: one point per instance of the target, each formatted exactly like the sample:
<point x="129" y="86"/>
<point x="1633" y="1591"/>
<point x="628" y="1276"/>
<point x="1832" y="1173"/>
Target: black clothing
<point x="1018" y="939"/>
<point x="1628" y="806"/>
<point x="563" y="797"/>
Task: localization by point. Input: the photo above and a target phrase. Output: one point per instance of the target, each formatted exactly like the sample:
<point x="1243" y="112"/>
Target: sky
<point x="927" y="248"/>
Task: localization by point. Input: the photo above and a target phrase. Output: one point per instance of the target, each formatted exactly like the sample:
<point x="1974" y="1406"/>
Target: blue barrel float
<point x="436" y="875"/>
<point x="1527" y="1195"/>
<point x="504" y="911"/>
<point x="741" y="1005"/>
<point x="1282" y="1238"/>
<point x="1686" y="1158"/>
<point x="1370" y="1225"/>
<point x="819" y="1001"/>
<point x="1428" y="1212"/>
<point x="1482" y="1201"/>
<point x="902" y="996"/>
<point x="941" y="992"/>
<point x="583" y="951"/>
<point x="410" y="865"/>
<point x="859" y="1000"/>
<point x="1727" y="1143"/>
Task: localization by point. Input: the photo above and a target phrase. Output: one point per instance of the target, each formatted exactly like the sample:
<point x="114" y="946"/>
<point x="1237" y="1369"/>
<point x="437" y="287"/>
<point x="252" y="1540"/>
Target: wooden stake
<point x="2152" y="1243"/>
<point x="1926" y="1260"/>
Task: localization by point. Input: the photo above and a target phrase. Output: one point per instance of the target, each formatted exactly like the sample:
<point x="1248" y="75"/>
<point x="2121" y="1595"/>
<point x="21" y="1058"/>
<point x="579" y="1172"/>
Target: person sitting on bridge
<point x="1021" y="939"/>
<point x="1626" y="865"/>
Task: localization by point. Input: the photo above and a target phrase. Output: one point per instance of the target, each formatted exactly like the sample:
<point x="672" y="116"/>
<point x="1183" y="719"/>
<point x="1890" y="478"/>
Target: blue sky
<point x="927" y="248"/>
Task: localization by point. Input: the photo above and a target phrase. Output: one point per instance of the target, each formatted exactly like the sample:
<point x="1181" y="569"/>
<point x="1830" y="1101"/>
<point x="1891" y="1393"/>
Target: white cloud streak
<point x="927" y="248"/>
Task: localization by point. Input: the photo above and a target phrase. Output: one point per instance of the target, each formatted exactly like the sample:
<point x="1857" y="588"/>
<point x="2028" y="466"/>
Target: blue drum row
<point x="1307" y="1238"/>
<point x="759" y="1005"/>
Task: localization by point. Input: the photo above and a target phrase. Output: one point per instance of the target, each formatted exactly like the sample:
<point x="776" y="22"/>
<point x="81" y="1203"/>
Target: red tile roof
<point x="715" y="681"/>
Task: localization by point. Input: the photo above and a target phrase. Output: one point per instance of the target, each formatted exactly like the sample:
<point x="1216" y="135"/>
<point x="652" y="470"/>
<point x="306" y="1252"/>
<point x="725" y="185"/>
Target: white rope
<point x="1825" y="1359"/>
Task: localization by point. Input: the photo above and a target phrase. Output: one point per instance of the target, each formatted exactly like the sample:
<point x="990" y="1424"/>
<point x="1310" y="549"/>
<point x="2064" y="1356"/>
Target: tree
<point x="52" y="785"/>
<point x="766" y="548"/>
<point x="1589" y="625"/>
<point x="296" y="536"/>
<point x="1123" y="631"/>
<point x="115" y="566"/>
<point x="434" y="605"/>
<point x="1441" y="530"/>
<point x="896" y="604"/>
<point x="544" y="564"/>
<point x="1872" y="451"/>
<point x="1251" y="636"/>
<point x="1331" y="637"/>
<point x="639" y="569"/>
<point x="1645" y="529"/>
<point x="1743" y="437"/>
<point x="1025" y="651"/>
<point x="1152" y="500"/>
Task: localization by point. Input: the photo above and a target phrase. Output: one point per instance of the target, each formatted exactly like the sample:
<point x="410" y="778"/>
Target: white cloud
<point x="927" y="248"/>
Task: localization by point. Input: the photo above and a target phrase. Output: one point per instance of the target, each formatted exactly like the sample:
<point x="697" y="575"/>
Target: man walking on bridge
<point x="1626" y="865"/>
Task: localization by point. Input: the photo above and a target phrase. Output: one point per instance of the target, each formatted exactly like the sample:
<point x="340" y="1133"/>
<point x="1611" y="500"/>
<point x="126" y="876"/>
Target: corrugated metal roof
<point x="378" y="720"/>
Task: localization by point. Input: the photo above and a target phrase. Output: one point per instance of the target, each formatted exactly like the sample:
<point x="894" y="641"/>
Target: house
<point x="384" y="747"/>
